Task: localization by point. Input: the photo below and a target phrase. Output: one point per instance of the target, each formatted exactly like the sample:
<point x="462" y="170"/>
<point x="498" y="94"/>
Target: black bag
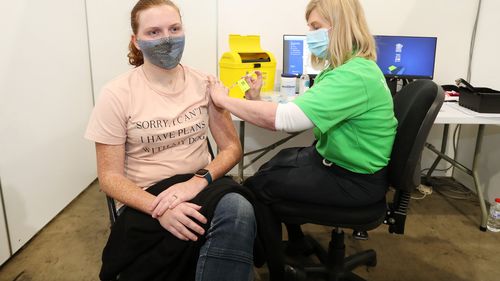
<point x="483" y="100"/>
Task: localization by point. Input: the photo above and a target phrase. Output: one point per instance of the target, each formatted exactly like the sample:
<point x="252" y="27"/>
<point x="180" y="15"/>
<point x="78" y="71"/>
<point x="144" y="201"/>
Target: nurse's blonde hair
<point x="349" y="36"/>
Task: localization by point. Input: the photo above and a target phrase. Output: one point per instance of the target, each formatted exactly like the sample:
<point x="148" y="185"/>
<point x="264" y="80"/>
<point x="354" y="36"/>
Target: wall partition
<point x="45" y="103"/>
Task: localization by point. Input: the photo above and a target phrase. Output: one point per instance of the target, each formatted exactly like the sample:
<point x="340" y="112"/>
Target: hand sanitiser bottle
<point x="494" y="218"/>
<point x="287" y="88"/>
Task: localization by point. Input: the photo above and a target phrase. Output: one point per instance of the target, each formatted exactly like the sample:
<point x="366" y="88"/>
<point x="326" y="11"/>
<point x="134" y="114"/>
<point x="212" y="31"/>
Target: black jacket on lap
<point x="139" y="248"/>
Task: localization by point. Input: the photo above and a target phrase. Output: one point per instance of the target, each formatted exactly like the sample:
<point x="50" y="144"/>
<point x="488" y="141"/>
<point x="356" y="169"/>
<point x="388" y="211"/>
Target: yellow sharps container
<point x="245" y="57"/>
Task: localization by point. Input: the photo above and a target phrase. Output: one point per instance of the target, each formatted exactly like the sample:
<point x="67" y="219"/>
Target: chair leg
<point x="339" y="265"/>
<point x="294" y="231"/>
<point x="298" y="243"/>
<point x="336" y="249"/>
<point x="368" y="258"/>
<point x="349" y="276"/>
<point x="335" y="265"/>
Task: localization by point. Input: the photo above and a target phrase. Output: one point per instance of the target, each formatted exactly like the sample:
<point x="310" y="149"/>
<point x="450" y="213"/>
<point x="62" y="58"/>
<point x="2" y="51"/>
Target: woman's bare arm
<point x="226" y="138"/>
<point x="110" y="170"/>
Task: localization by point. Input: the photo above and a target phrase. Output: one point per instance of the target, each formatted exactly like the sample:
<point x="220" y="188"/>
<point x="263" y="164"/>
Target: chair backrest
<point x="113" y="212"/>
<point x="415" y="107"/>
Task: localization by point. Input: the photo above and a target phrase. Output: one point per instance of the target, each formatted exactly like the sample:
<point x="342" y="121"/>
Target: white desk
<point x="452" y="113"/>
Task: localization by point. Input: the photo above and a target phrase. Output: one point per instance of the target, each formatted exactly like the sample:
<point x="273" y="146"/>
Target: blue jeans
<point x="228" y="252"/>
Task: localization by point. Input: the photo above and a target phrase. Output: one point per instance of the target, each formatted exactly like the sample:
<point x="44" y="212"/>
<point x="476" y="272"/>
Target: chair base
<point x="335" y="266"/>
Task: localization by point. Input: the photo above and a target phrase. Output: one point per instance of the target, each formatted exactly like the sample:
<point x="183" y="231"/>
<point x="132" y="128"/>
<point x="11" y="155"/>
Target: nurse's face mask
<point x="318" y="41"/>
<point x="163" y="52"/>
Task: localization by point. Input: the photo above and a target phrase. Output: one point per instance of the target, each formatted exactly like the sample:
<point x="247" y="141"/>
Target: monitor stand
<point x="394" y="82"/>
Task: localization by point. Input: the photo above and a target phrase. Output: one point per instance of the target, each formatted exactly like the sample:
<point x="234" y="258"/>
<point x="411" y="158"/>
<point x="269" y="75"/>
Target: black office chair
<point x="415" y="106"/>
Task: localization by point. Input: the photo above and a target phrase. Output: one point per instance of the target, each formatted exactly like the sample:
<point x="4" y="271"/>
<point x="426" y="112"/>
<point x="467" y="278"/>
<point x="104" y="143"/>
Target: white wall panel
<point x="110" y="31"/>
<point x="450" y="21"/>
<point x="45" y="103"/>
<point x="200" y="22"/>
<point x="4" y="238"/>
<point x="109" y="36"/>
<point x="484" y="74"/>
<point x="272" y="19"/>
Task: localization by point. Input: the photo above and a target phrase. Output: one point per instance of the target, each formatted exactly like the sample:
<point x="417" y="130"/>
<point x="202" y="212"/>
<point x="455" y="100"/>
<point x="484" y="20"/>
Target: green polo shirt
<point x="351" y="107"/>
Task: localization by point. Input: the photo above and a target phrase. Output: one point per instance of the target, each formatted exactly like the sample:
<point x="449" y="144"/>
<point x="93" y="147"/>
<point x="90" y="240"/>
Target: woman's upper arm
<point x="222" y="128"/>
<point x="110" y="159"/>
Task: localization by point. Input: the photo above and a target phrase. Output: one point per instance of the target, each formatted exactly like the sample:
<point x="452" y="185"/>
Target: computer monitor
<point x="296" y="56"/>
<point x="406" y="57"/>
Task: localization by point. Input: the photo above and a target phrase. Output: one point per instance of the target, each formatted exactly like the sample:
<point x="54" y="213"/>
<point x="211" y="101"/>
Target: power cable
<point x="473" y="42"/>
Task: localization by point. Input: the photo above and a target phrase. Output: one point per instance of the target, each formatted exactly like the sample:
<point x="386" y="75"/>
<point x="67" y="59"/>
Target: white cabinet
<point x="46" y="98"/>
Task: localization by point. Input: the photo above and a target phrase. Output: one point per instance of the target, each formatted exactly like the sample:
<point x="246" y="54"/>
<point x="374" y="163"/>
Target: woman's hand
<point x="255" y="86"/>
<point x="179" y="221"/>
<point x="176" y="194"/>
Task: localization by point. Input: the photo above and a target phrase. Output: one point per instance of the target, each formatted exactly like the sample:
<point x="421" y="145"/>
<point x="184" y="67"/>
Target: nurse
<point x="349" y="108"/>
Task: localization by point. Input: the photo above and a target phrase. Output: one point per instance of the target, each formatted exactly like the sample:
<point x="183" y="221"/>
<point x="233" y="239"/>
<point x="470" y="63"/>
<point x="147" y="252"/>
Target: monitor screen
<point x="296" y="56"/>
<point x="406" y="56"/>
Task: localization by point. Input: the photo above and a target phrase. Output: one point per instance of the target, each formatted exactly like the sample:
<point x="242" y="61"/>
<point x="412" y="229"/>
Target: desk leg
<point x="477" y="153"/>
<point x="472" y="173"/>
<point x="242" y="141"/>
<point x="438" y="158"/>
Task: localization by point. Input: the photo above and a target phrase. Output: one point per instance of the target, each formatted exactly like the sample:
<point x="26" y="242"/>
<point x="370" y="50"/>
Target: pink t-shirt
<point x="164" y="133"/>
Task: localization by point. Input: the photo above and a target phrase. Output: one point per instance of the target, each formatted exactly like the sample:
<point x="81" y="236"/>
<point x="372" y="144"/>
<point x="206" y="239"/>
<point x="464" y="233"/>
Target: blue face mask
<point x="164" y="52"/>
<point x="318" y="41"/>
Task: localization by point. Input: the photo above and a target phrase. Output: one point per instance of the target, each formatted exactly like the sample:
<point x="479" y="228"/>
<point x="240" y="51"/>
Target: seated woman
<point x="150" y="126"/>
<point x="349" y="107"/>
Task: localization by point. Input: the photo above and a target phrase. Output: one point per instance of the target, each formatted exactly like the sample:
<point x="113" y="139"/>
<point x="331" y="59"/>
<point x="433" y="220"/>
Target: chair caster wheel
<point x="360" y="235"/>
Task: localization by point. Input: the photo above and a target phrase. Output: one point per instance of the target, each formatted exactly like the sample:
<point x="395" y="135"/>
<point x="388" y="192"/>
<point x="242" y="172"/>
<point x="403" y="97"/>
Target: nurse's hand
<point x="255" y="84"/>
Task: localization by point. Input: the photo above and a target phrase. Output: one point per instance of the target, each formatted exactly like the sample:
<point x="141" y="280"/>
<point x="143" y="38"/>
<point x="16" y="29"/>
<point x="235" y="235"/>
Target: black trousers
<point x="299" y="174"/>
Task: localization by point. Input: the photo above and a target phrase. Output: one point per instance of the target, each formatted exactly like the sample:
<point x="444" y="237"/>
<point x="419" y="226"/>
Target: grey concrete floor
<point x="442" y="242"/>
